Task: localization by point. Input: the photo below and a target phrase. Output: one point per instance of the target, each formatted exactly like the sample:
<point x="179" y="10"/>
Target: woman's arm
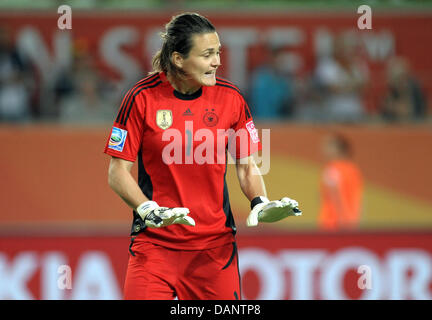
<point x="122" y="182"/>
<point x="264" y="210"/>
<point x="250" y="178"/>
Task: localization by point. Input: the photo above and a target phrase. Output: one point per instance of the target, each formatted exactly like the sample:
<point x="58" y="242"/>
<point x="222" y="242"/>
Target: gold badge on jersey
<point x="164" y="119"/>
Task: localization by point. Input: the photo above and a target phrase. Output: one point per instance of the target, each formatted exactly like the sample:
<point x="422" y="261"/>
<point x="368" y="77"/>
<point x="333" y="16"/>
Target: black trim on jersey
<point x="144" y="180"/>
<point x="247" y="111"/>
<point x="226" y="81"/>
<point x="228" y="86"/>
<point x="137" y="93"/>
<point x="226" y="203"/>
<point x="130" y="246"/>
<point x="128" y="102"/>
<point x="146" y="187"/>
<point x="233" y="254"/>
<point x="239" y="276"/>
<point x="192" y="96"/>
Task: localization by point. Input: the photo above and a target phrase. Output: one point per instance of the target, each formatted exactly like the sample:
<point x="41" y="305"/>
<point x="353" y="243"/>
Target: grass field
<point x="383" y="209"/>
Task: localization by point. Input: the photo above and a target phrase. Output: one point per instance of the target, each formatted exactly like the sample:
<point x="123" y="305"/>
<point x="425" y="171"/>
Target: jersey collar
<point x="178" y="94"/>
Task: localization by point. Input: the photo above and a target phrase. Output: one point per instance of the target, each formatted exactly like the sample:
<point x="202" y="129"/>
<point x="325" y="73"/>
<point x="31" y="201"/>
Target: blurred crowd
<point x="334" y="91"/>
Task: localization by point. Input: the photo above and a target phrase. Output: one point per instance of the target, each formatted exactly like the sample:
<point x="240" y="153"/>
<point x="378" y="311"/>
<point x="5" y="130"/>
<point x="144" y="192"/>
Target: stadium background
<point x="56" y="207"/>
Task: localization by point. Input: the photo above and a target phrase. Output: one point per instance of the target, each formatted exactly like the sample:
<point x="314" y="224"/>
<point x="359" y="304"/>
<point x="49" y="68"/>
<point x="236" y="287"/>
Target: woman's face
<point x="203" y="60"/>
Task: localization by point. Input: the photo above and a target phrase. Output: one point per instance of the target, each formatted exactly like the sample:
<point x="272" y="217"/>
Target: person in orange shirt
<point x="341" y="186"/>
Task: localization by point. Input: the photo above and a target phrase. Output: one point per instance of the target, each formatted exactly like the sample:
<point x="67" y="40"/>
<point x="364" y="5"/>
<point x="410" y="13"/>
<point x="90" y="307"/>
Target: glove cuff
<point x="258" y="200"/>
<point x="145" y="208"/>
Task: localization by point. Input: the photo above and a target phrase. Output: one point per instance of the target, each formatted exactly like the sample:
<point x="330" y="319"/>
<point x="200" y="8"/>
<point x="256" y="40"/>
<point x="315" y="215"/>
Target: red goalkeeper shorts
<point x="158" y="273"/>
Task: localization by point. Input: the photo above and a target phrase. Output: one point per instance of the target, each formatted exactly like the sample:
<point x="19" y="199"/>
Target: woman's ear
<point x="177" y="59"/>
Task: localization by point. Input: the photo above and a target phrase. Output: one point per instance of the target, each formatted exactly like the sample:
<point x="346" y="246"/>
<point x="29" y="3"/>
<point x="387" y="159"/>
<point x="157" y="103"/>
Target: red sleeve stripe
<point x="130" y="95"/>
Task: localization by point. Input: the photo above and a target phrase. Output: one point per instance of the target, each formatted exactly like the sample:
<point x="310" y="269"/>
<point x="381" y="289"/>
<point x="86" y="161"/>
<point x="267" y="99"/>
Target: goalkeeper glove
<point x="156" y="217"/>
<point x="264" y="210"/>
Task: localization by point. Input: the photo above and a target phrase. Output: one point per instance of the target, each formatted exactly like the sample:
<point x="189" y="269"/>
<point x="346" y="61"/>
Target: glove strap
<point x="258" y="200"/>
<point x="145" y="208"/>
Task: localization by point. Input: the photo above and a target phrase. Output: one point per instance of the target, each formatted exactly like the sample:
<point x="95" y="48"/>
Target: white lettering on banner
<point x="94" y="278"/>
<point x="288" y="36"/>
<point x="111" y="51"/>
<point x="30" y="42"/>
<point x="302" y="265"/>
<point x="291" y="61"/>
<point x="293" y="273"/>
<point x="390" y="276"/>
<point x="400" y="262"/>
<point x="335" y="267"/>
<point x="268" y="269"/>
<point x="237" y="40"/>
<point x="14" y="276"/>
<point x="152" y="44"/>
<point x="323" y="45"/>
<point x="379" y="46"/>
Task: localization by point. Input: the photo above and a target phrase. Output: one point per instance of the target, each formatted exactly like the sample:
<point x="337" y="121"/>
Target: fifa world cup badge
<point x="164" y="119"/>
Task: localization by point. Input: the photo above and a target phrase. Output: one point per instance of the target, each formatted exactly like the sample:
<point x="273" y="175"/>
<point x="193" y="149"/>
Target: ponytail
<point x="178" y="37"/>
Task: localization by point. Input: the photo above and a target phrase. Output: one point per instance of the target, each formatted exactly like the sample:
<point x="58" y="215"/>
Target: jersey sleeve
<point x="125" y="138"/>
<point x="245" y="140"/>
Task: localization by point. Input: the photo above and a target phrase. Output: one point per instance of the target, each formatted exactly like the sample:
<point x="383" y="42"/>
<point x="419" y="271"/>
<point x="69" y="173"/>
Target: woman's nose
<point x="216" y="61"/>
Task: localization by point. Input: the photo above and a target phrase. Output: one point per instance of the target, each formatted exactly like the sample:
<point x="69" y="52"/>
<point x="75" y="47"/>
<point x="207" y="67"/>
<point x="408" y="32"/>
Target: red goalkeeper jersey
<point x="182" y="144"/>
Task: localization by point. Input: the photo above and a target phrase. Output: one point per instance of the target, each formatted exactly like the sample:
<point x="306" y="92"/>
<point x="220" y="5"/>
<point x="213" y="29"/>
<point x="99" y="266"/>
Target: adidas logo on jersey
<point x="188" y="112"/>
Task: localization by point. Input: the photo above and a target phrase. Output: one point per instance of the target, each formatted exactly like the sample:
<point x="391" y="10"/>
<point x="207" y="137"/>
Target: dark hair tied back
<point x="178" y="37"/>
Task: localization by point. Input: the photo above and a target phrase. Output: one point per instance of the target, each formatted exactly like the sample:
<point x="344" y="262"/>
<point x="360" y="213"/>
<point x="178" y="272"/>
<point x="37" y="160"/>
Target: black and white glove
<point x="264" y="210"/>
<point x="156" y="217"/>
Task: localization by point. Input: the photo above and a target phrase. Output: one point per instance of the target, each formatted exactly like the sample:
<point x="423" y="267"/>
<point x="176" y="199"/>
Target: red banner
<point x="123" y="44"/>
<point x="294" y="266"/>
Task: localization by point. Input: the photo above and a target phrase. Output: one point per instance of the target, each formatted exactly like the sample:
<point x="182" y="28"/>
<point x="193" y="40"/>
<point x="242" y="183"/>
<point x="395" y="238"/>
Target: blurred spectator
<point x="15" y="82"/>
<point x="80" y="93"/>
<point x="309" y="97"/>
<point x="342" y="76"/>
<point x="404" y="99"/>
<point x="341" y="186"/>
<point x="271" y="92"/>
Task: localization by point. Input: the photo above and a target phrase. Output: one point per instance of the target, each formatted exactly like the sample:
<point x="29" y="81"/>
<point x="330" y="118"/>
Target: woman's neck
<point x="182" y="85"/>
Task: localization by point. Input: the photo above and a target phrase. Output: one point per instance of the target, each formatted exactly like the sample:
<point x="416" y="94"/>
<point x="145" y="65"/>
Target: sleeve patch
<point x="250" y="126"/>
<point x="117" y="139"/>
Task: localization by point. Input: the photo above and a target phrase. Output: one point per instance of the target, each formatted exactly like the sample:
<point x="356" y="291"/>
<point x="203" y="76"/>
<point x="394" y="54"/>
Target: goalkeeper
<point x="183" y="233"/>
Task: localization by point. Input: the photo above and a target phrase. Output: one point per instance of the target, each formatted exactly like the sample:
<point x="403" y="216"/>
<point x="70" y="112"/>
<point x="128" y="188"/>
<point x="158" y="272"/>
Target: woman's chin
<point x="209" y="81"/>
